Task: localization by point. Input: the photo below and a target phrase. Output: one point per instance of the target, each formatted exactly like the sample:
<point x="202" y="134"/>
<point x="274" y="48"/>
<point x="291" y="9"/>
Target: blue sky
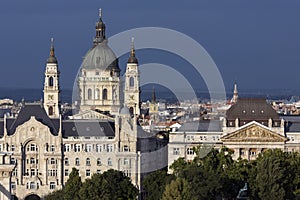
<point x="254" y="42"/>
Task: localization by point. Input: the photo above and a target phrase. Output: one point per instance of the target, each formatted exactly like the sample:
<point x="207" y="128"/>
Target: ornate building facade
<point x="39" y="145"/>
<point x="250" y="127"/>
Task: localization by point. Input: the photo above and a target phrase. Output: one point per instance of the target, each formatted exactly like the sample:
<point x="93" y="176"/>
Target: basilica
<point x="40" y="144"/>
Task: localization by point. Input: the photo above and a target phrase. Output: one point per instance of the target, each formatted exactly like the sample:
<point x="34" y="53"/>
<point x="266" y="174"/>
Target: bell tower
<point x="132" y="84"/>
<point x="51" y="85"/>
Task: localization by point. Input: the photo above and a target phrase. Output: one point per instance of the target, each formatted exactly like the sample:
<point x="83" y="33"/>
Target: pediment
<point x="90" y="114"/>
<point x="253" y="133"/>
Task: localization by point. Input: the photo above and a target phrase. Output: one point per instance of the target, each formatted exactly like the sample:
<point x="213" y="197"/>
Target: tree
<point x="73" y="185"/>
<point x="154" y="184"/>
<point x="178" y="189"/>
<point x="274" y="176"/>
<point x="56" y="195"/>
<point x="112" y="184"/>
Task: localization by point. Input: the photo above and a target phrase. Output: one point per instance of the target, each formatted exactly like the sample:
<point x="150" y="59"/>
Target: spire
<point x="52" y="58"/>
<point x="153" y="100"/>
<point x="100" y="30"/>
<point x="132" y="58"/>
<point x="235" y="93"/>
<point x="235" y="88"/>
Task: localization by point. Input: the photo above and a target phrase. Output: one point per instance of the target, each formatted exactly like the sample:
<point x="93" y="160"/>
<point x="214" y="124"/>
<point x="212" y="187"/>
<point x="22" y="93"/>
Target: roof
<point x="251" y="109"/>
<point x="88" y="128"/>
<point x="201" y="126"/>
<point x="292" y="127"/>
<point x="26" y="112"/>
<point x="100" y="57"/>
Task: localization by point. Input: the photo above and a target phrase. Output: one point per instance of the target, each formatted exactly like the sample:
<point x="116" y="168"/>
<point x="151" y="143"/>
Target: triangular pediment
<point x="90" y="114"/>
<point x="253" y="132"/>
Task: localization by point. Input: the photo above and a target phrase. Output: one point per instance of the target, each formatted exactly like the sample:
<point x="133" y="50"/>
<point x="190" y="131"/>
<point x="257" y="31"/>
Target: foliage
<point x="274" y="176"/>
<point x="112" y="184"/>
<point x="178" y="189"/>
<point x="56" y="195"/>
<point x="154" y="184"/>
<point x="73" y="185"/>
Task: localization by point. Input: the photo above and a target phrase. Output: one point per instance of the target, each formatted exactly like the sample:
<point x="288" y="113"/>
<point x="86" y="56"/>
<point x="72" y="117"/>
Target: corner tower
<point x="132" y="84"/>
<point x="51" y="85"/>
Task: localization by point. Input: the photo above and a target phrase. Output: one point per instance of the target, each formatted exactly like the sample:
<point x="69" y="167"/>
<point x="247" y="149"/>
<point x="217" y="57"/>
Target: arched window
<point x="89" y="94"/>
<point x="50" y="110"/>
<point x="98" y="161"/>
<point x="77" y="161"/>
<point x="131" y="110"/>
<point x="109" y="162"/>
<point x="104" y="94"/>
<point x="50" y="81"/>
<point x="97" y="94"/>
<point x="88" y="162"/>
<point x="131" y="82"/>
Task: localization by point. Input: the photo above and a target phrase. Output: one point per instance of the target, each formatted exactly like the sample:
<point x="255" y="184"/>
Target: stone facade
<point x="250" y="127"/>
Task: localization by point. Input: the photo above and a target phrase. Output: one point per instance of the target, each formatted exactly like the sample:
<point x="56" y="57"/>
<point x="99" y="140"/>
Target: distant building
<point x="250" y="127"/>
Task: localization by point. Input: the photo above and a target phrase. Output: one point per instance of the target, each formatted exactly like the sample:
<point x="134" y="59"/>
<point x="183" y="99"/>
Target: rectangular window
<point x="52" y="185"/>
<point x="126" y="161"/>
<point x="32" y="185"/>
<point x="15" y="172"/>
<point x="52" y="148"/>
<point x="52" y="161"/>
<point x="109" y="148"/>
<point x="98" y="148"/>
<point x="13" y="185"/>
<point x="12" y="147"/>
<point x="67" y="147"/>
<point x="176" y="151"/>
<point x="126" y="148"/>
<point x="12" y="161"/>
<point x="88" y="148"/>
<point x="190" y="138"/>
<point x="88" y="172"/>
<point x="77" y="148"/>
<point x="98" y="171"/>
<point x="67" y="161"/>
<point x="32" y="172"/>
<point x="190" y="151"/>
<point x="66" y="172"/>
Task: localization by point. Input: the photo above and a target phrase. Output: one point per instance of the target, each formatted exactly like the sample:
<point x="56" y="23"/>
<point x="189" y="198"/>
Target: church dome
<point x="100" y="57"/>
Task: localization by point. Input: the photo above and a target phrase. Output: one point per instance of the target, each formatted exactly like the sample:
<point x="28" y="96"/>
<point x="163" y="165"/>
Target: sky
<point x="256" y="43"/>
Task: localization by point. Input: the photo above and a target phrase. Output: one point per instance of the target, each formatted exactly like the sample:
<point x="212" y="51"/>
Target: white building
<point x="250" y="127"/>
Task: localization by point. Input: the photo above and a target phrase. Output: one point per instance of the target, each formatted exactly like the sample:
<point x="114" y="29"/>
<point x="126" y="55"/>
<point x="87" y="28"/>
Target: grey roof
<point x="292" y="126"/>
<point x="251" y="109"/>
<point x="201" y="126"/>
<point x="88" y="128"/>
<point x="291" y="118"/>
<point x="25" y="114"/>
<point x="100" y="57"/>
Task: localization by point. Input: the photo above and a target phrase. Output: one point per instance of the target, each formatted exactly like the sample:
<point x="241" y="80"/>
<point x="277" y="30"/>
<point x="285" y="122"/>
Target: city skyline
<point x="254" y="43"/>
